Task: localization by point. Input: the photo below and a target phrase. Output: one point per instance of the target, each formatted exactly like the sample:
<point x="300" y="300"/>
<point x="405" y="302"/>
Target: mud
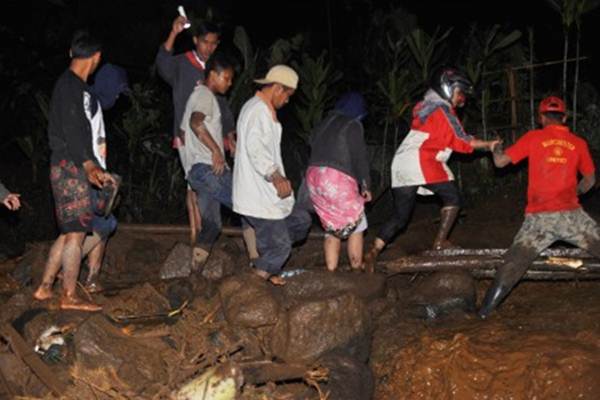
<point x="370" y="334"/>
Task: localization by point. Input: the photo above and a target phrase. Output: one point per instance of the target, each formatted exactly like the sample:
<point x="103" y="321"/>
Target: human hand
<point x="282" y="185"/>
<point x="179" y="25"/>
<point x="367" y="195"/>
<point x="218" y="163"/>
<point x="12" y="201"/>
<point x="94" y="173"/>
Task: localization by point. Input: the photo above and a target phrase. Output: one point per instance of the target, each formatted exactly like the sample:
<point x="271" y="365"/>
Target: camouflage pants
<point x="540" y="230"/>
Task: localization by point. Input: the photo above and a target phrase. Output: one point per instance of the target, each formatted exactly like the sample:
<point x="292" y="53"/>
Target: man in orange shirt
<point x="556" y="157"/>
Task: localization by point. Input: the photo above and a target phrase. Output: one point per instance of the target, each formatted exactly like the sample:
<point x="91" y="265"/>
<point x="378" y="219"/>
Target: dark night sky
<point x="134" y="28"/>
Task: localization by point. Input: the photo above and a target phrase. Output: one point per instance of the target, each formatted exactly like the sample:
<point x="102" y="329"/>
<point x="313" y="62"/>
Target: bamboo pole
<point x="542" y="64"/>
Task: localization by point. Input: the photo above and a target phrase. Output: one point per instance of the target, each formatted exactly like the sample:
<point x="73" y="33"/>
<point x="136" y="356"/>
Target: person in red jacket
<point x="556" y="156"/>
<point x="419" y="165"/>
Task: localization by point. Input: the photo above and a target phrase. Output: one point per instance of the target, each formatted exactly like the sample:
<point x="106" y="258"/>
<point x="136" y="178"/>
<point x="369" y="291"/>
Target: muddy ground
<point x="544" y="341"/>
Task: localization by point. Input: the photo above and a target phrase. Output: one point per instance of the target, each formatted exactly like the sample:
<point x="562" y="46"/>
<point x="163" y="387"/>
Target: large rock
<point x="312" y="328"/>
<point x="103" y="353"/>
<point x="307" y="285"/>
<point x="220" y="264"/>
<point x="30" y="267"/>
<point x="440" y="293"/>
<point x="348" y="379"/>
<point x="248" y="301"/>
<point x="178" y="263"/>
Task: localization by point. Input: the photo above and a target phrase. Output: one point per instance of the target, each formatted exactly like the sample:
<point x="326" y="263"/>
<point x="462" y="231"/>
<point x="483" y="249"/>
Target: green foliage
<point x="315" y="92"/>
<point x="426" y="49"/>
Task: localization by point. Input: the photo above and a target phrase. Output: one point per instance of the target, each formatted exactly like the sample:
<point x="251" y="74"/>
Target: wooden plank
<point x="29" y="357"/>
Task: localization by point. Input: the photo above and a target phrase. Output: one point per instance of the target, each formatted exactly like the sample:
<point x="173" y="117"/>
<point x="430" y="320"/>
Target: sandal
<point x="78" y="304"/>
<point x="273" y="279"/>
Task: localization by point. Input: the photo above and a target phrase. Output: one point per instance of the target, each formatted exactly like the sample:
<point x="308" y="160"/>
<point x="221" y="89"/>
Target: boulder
<point x="349" y="378"/>
<point x="178" y="263"/>
<point x="248" y="301"/>
<point x="220" y="264"/>
<point x="441" y="293"/>
<point x="310" y="329"/>
<point x="306" y="285"/>
<point x="103" y="353"/>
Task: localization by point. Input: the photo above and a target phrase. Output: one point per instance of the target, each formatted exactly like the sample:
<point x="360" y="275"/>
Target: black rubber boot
<point x="493" y="297"/>
<point x="447" y="219"/>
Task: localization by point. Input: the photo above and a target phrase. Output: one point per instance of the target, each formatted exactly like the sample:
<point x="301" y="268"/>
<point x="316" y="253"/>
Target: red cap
<point x="553" y="104"/>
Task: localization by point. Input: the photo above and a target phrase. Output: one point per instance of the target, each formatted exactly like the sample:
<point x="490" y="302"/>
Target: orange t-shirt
<point x="555" y="157"/>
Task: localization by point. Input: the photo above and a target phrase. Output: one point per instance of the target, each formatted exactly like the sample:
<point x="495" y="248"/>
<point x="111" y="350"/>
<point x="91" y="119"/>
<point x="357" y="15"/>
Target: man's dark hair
<point x="203" y="28"/>
<point x="84" y="44"/>
<point x="554" y="115"/>
<point x="218" y="62"/>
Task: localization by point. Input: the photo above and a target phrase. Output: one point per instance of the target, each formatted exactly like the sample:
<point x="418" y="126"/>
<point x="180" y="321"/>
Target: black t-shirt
<point x="69" y="130"/>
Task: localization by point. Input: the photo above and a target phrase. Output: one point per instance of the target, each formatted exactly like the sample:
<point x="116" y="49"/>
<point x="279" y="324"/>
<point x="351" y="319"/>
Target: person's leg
<point x="404" y="201"/>
<point x="71" y="261"/>
<point x="95" y="258"/>
<point x="274" y="246"/>
<point x="535" y="235"/>
<point x="579" y="229"/>
<point x="448" y="192"/>
<point x="355" y="250"/>
<point x="44" y="291"/>
<point x="207" y="186"/>
<point x="331" y="248"/>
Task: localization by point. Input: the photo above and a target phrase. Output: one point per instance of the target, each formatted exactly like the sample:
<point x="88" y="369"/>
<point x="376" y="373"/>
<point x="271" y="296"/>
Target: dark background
<point x="35" y="35"/>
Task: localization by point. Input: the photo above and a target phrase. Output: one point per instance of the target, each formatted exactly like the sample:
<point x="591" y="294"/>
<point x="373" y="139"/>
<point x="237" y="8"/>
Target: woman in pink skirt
<point x="338" y="179"/>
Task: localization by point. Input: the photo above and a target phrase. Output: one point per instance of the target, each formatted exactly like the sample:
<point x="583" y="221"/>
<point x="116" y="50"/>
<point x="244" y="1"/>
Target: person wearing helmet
<point x="420" y="163"/>
<point x="338" y="179"/>
<point x="556" y="156"/>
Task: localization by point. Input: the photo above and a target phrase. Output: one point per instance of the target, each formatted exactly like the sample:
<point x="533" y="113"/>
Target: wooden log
<point x="266" y="371"/>
<point x="25" y="353"/>
<point x="554" y="252"/>
<point x="185" y="229"/>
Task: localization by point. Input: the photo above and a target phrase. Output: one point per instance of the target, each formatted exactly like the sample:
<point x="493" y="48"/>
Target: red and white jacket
<point x="435" y="133"/>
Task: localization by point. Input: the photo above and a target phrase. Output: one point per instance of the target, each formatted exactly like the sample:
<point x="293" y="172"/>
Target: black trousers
<point x="404" y="202"/>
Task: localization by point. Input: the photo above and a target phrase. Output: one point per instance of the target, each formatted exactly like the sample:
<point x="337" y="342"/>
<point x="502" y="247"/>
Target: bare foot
<point x="277" y="280"/>
<point x="43" y="292"/>
<point x="76" y="303"/>
<point x="93" y="286"/>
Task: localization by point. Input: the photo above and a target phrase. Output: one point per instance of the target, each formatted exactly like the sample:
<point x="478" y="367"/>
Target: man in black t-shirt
<point x="75" y="166"/>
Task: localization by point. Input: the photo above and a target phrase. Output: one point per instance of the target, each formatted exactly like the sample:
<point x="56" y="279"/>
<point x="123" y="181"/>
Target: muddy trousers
<point x="538" y="232"/>
<point x="404" y="202"/>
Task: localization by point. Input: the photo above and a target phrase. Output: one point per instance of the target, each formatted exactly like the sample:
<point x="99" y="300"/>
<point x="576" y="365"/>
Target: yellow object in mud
<point x="567" y="262"/>
<point x="217" y="383"/>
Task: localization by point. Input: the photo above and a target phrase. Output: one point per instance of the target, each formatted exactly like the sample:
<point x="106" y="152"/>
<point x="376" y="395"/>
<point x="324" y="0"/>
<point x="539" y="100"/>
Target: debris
<point x="221" y="382"/>
<point x="23" y="351"/>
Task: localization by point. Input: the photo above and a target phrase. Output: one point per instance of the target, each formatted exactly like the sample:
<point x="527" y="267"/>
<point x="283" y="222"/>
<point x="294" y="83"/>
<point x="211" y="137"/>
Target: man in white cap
<point x="261" y="192"/>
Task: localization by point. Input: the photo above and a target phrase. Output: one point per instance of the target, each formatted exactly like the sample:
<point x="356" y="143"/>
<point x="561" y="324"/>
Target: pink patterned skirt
<point x="337" y="200"/>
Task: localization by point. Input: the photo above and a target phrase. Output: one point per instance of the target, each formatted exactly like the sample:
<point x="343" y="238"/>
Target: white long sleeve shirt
<point x="258" y="155"/>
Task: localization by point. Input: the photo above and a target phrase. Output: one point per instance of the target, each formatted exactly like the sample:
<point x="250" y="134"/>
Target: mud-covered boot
<point x="447" y="219"/>
<point x="370" y="258"/>
<point x="493" y="297"/>
<point x="199" y="257"/>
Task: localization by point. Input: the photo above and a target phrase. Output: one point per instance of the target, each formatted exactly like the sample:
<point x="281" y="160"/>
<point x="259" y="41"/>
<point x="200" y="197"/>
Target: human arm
<point x="360" y="159"/>
<point x="165" y="62"/>
<point x="501" y="159"/>
<point x="586" y="183"/>
<point x="199" y="129"/>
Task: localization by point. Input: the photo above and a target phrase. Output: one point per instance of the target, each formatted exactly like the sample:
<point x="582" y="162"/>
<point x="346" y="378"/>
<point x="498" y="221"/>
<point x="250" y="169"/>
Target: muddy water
<point x="544" y="343"/>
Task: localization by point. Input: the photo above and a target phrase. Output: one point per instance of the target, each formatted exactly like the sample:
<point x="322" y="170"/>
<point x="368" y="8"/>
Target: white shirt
<point x="194" y="151"/>
<point x="258" y="155"/>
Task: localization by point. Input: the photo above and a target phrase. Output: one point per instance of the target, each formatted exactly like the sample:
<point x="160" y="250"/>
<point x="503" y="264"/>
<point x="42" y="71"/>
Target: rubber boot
<point x="370" y="258"/>
<point x="493" y="297"/>
<point x="199" y="257"/>
<point x="447" y="219"/>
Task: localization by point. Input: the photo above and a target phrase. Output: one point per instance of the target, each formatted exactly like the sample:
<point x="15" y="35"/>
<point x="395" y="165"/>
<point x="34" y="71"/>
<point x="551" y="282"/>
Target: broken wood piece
<point x="33" y="361"/>
<point x="552" y="252"/>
